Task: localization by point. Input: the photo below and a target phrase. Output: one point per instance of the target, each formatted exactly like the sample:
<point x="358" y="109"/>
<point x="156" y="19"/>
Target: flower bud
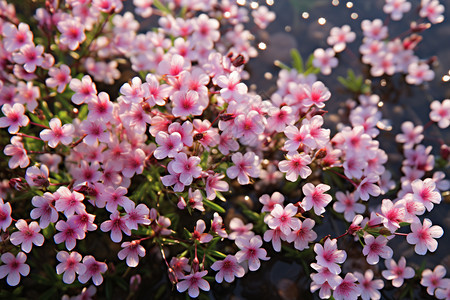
<point x="18" y="184"/>
<point x="135" y="281"/>
<point x="419" y="27"/>
<point x="195" y="265"/>
<point x="172" y="276"/>
<point x="445" y="152"/>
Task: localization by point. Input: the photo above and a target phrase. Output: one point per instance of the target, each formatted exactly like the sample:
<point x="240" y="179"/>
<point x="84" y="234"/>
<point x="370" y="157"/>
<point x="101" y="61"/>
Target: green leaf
<point x="214" y="206"/>
<point x="217" y="254"/>
<point x="220" y="196"/>
<point x="161" y="7"/>
<point x="281" y="65"/>
<point x="297" y="61"/>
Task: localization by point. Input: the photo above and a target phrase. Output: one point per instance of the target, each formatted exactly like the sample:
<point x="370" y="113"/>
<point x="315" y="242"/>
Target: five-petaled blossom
<point x="329" y="256"/>
<point x="192" y="283"/>
<point x="27" y="235"/>
<point x="227" y="268"/>
<point x="397" y="272"/>
<point x="315" y="197"/>
<point x="70" y="263"/>
<point x="251" y="251"/>
<point x="423" y="236"/>
<point x="14" y="267"/>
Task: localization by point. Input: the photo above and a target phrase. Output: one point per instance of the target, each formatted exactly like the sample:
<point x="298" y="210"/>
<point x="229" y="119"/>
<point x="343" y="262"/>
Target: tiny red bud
<point x="445" y="152"/>
<point x="195" y="265"/>
<point x="18" y="184"/>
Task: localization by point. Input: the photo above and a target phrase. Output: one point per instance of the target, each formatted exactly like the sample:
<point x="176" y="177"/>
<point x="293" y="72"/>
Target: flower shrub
<point x="124" y="150"/>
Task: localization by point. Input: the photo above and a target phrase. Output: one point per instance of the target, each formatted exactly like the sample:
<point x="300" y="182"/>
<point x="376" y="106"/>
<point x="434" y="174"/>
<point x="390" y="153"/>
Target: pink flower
<point x="418" y="73"/>
<point x="169" y="145"/>
<point x="245" y="166"/>
<point x="188" y="168"/>
<point x="347" y="288"/>
<point x="368" y="187"/>
<point x="284" y="218"/>
<point x="187" y="103"/>
<point x="217" y="226"/>
<point x="192" y="283"/>
<point x="339" y="37"/>
<point x="133" y="163"/>
<point x="423" y="236"/>
<point x="346" y="203"/>
<point x="116" y="225"/>
<point x="262" y="16"/>
<point x="434" y="279"/>
<point x="5" y="215"/>
<point x="232" y="88"/>
<point x="316" y="94"/>
<point x="215" y="184"/>
<point x="136" y="215"/>
<point x="18" y="153"/>
<point x="440" y="113"/>
<point x="15" y="38"/>
<point x="397" y="273"/>
<point x="374" y="29"/>
<point x="131" y="251"/>
<point x="69" y="202"/>
<point x="239" y="229"/>
<point x="100" y="108"/>
<point x="296" y="165"/>
<point x="329" y="256"/>
<point x="84" y="89"/>
<point x="376" y="247"/>
<point x="269" y="202"/>
<point x="392" y="214"/>
<point x="93" y="270"/>
<point x="94" y="131"/>
<point x="248" y="127"/>
<point x="133" y="93"/>
<point x="315" y="197"/>
<point x="57" y="133"/>
<point x="228" y="269"/>
<point x="325" y="60"/>
<point x="27" y="235"/>
<point x="14" y="117"/>
<point x="14" y="267"/>
<point x="72" y="32"/>
<point x="298" y="137"/>
<point x="199" y="234"/>
<point x="251" y="251"/>
<point x="30" y="56"/>
<point x="280" y="118"/>
<point x="69" y="233"/>
<point x="44" y="210"/>
<point x="59" y="77"/>
<point x="173" y="66"/>
<point x="426" y="193"/>
<point x="154" y="93"/>
<point x="69" y="265"/>
<point x="324" y="275"/>
<point x="303" y="236"/>
<point x="432" y="10"/>
<point x="369" y="287"/>
<point x="396" y="8"/>
<point x="411" y="135"/>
